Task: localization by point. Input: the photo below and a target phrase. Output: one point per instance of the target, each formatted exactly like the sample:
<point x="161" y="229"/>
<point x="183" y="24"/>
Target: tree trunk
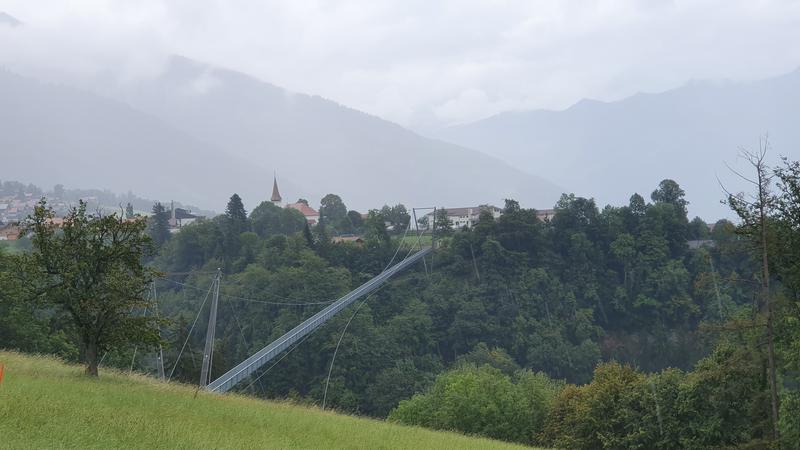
<point x="765" y="292"/>
<point x="92" y="359"/>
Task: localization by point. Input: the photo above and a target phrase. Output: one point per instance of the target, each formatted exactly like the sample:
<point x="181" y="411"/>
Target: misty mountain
<point x="610" y="150"/>
<point x="321" y="145"/>
<point x="51" y="134"/>
<point x="8" y="20"/>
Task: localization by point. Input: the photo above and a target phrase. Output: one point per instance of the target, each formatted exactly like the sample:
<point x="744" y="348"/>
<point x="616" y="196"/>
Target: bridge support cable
<point x="160" y="355"/>
<point x="260" y="358"/>
<point x="189" y="334"/>
<point x="208" y="351"/>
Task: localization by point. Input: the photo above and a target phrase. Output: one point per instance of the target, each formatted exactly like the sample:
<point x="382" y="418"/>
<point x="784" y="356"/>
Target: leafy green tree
<point x="355" y="219"/>
<point x="332" y="209"/>
<point x="407" y="377"/>
<point x="601" y="415"/>
<point x="790" y="420"/>
<point x="441" y="223"/>
<point x="495" y="357"/>
<point x="670" y="192"/>
<point x="269" y="220"/>
<point x="726" y="399"/>
<point x="482" y="400"/>
<point x="23" y="326"/>
<point x="698" y="229"/>
<point x="91" y="267"/>
<point x="397" y="216"/>
<point x="158" y="225"/>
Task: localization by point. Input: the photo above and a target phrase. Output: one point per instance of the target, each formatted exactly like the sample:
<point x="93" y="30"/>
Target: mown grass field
<point x="47" y="404"/>
<point x="411" y="240"/>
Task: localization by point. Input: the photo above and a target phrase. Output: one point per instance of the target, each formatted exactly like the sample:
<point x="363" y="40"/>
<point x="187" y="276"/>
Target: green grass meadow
<point x="45" y="404"/>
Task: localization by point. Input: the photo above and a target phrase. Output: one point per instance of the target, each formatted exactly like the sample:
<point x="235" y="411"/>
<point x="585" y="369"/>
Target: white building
<point x="468" y="216"/>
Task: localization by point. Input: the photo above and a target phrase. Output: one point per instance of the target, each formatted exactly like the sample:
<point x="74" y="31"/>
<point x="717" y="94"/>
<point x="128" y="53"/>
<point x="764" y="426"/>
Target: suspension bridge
<point x="296" y="335"/>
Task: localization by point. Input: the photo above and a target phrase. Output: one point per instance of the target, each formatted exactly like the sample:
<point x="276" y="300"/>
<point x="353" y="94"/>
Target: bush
<point x="483" y="400"/>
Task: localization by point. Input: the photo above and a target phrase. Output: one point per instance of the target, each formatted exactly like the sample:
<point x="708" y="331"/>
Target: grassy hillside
<point x="47" y="404"/>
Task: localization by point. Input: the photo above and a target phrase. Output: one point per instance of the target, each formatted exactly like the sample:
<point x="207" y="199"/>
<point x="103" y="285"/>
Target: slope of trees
<point x="599" y="328"/>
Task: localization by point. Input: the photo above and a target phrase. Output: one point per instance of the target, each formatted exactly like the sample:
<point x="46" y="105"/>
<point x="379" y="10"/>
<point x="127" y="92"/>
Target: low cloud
<point x="416" y="62"/>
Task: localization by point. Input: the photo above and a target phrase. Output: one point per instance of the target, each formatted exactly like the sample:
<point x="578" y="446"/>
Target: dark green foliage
<point x="482" y="400"/>
<point x="721" y="403"/>
<point x="268" y="220"/>
<point x="158" y="225"/>
<point x="332" y="209"/>
<point x="23" y="326"/>
<point x="397" y="216"/>
<point x="90" y="268"/>
<point x="509" y="298"/>
<point x="790" y="420"/>
<point x="441" y="223"/>
<point x="236" y="213"/>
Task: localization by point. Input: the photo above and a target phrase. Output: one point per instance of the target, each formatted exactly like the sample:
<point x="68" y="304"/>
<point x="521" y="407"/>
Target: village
<point x="16" y="206"/>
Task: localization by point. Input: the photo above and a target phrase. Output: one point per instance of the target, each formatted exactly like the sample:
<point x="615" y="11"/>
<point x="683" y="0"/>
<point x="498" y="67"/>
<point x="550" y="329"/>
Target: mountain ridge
<point x="687" y="134"/>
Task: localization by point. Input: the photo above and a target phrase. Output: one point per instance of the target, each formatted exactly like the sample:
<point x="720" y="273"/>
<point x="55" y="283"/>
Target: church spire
<point x="276" y="196"/>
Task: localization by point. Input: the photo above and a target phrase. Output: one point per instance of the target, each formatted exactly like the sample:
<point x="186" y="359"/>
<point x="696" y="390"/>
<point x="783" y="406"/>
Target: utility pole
<point x="433" y="238"/>
<point x="208" y="352"/>
<point x="160" y="355"/>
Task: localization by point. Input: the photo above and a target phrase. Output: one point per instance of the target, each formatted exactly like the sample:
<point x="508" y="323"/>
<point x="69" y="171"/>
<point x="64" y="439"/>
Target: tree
<point x="482" y="400"/>
<point x="698" y="229"/>
<point x="670" y="192"/>
<point x="129" y="213"/>
<point x="355" y="219"/>
<point x="268" y="220"/>
<point x="397" y="216"/>
<point x="441" y="223"/>
<point x="236" y="214"/>
<point x="91" y="268"/>
<point x="332" y="209"/>
<point x="159" y="225"/>
<point x="58" y="191"/>
<point x="754" y="213"/>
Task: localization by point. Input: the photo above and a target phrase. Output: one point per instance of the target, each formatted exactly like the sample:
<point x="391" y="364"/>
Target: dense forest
<point x="620" y="327"/>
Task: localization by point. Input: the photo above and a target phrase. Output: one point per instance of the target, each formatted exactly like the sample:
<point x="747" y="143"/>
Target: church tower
<point x="276" y="196"/>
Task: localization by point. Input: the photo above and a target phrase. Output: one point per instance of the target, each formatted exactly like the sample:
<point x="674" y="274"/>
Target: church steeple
<point x="276" y="196"/>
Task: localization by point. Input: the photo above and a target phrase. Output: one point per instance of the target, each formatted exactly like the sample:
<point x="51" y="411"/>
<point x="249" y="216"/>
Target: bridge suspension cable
<point x="254" y="300"/>
<point x="260" y="358"/>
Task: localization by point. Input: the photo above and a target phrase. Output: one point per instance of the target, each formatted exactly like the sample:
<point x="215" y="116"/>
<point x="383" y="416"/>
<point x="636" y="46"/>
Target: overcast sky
<point x="421" y="63"/>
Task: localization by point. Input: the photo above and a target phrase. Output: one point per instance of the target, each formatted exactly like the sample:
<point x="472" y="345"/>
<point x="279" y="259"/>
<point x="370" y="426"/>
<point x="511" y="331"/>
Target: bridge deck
<point x="253" y="363"/>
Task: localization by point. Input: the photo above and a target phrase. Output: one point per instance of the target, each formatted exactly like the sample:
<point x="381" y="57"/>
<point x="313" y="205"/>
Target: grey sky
<point x="421" y="63"/>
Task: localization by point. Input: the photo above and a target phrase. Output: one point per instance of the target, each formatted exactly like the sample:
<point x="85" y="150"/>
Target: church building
<point x="311" y="215"/>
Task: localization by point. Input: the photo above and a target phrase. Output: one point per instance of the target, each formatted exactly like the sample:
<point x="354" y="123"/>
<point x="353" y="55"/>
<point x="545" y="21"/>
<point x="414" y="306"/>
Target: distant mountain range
<point x="610" y="150"/>
<point x="200" y="133"/>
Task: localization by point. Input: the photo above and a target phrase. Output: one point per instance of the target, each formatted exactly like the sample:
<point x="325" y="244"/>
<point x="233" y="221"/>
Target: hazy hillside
<point x="51" y="134"/>
<point x="686" y="134"/>
<point x="323" y="146"/>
